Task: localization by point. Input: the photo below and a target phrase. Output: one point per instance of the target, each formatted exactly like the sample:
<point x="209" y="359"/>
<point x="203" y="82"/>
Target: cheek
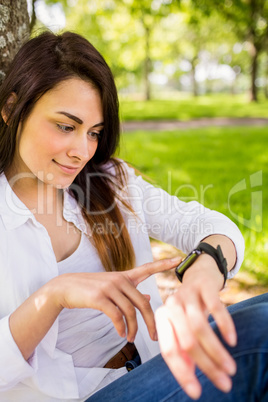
<point x="53" y="146"/>
<point x="40" y="146"/>
<point x="92" y="150"/>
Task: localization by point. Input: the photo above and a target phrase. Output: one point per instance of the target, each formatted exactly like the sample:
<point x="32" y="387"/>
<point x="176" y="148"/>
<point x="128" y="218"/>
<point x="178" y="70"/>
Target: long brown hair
<point x="41" y="64"/>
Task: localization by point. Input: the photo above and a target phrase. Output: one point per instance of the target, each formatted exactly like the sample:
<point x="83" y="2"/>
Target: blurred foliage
<point x="121" y="30"/>
<point x="249" y="21"/>
<point x="148" y="41"/>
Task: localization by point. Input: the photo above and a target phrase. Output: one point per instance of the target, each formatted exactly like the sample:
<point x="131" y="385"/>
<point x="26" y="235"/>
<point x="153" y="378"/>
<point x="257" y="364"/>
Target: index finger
<point x="139" y="274"/>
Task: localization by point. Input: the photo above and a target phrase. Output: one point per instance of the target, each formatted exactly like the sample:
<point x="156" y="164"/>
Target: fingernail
<point x="230" y="367"/>
<point x="224" y="383"/>
<point x="232" y="339"/>
<point x="176" y="259"/>
<point x="192" y="390"/>
<point x="155" y="336"/>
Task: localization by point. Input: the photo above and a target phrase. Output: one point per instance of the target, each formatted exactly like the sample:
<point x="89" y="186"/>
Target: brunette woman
<point x="75" y="221"/>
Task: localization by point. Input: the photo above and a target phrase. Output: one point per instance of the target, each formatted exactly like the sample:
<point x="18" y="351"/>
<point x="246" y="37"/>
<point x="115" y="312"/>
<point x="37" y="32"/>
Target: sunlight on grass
<point x="206" y="164"/>
<point x="186" y="108"/>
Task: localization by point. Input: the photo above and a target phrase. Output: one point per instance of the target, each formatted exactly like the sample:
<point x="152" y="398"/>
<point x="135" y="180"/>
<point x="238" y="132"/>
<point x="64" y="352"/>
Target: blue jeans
<point x="153" y="382"/>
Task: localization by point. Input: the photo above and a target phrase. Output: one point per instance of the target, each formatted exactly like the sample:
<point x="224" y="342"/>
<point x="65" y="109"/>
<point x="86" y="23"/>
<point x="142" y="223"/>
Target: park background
<point x="192" y="77"/>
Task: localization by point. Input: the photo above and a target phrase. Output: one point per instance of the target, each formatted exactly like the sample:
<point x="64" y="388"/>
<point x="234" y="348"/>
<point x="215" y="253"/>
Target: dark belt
<point x="127" y="353"/>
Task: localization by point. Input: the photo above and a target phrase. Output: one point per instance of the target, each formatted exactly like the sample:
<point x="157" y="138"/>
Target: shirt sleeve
<point x="182" y="224"/>
<point x="13" y="368"/>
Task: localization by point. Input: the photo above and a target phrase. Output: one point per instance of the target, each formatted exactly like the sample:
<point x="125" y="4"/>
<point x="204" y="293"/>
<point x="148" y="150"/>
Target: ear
<point x="10" y="103"/>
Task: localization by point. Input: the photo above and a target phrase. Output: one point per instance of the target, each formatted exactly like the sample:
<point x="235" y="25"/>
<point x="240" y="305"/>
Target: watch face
<point x="187" y="262"/>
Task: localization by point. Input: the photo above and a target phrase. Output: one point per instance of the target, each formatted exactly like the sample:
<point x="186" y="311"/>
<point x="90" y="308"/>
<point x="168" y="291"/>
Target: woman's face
<point x="61" y="133"/>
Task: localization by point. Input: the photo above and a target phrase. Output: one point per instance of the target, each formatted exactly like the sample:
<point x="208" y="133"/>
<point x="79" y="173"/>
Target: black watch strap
<point x="203" y="247"/>
<point x="215" y="253"/>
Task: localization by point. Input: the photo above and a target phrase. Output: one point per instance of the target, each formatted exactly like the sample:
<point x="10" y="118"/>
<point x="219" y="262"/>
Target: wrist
<point x="55" y="292"/>
<point x="203" y="269"/>
<point x="39" y="311"/>
<point x="203" y="248"/>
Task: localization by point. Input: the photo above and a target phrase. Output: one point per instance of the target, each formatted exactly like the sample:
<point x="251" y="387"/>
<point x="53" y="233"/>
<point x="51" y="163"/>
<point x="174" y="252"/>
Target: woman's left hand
<point x="185" y="336"/>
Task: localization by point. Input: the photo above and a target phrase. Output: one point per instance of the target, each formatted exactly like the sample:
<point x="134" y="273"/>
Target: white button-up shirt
<point x="27" y="262"/>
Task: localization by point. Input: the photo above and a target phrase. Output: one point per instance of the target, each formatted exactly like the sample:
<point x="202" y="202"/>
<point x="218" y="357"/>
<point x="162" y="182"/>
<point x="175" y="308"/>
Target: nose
<point x="80" y="148"/>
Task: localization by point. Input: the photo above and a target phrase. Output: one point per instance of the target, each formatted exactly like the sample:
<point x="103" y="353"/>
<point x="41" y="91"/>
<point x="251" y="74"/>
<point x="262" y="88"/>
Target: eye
<point x="94" y="136"/>
<point x="64" y="128"/>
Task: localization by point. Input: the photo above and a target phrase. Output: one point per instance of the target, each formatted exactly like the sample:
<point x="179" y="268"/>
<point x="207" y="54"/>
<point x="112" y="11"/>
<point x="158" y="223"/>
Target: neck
<point x="39" y="197"/>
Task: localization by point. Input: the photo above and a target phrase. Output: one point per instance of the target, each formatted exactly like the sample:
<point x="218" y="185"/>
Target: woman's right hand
<point x="113" y="293"/>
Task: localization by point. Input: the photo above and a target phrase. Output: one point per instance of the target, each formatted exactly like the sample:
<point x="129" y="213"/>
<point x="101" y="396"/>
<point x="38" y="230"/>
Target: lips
<point x="67" y="168"/>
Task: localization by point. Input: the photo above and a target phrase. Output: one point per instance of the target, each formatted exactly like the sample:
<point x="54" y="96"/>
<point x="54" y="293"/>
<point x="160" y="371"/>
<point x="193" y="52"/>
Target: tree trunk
<point x="147" y="64"/>
<point x="194" y="62"/>
<point x="33" y="16"/>
<point x="254" y="70"/>
<point x="266" y="79"/>
<point x="14" y="30"/>
<point x="233" y="86"/>
<point x="254" y="49"/>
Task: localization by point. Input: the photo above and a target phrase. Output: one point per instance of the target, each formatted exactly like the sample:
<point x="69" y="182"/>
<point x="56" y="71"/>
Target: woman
<point x="74" y="223"/>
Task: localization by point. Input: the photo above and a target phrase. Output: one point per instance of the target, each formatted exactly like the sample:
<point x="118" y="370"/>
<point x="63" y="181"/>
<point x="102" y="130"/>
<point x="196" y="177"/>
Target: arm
<point x="186" y="338"/>
<point x="182" y="224"/>
<point x="113" y="293"/>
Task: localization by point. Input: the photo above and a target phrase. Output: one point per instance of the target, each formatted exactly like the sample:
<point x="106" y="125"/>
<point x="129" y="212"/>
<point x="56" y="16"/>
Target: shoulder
<point x="3" y="180"/>
<point x="119" y="169"/>
<point x="113" y="165"/>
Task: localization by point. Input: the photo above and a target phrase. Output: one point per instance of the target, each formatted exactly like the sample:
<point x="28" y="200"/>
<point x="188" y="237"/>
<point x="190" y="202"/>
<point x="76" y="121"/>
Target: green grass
<point x="204" y="165"/>
<point x="186" y="108"/>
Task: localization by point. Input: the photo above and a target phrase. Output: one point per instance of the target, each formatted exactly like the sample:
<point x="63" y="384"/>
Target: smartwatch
<point x="215" y="253"/>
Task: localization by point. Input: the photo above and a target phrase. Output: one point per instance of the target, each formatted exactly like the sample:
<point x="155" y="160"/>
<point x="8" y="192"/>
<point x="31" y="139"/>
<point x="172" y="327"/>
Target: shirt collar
<point x="72" y="212"/>
<point x="14" y="212"/>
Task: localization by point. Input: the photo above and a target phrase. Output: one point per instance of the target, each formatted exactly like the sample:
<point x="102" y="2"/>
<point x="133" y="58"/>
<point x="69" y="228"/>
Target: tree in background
<point x="14" y="29"/>
<point x="199" y="37"/>
<point x="251" y="24"/>
<point x="123" y="31"/>
<point x="149" y="13"/>
<point x="113" y="31"/>
<point x="139" y="38"/>
<point x="249" y="20"/>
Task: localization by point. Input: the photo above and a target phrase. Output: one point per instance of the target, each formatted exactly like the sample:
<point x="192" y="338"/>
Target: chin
<point x="60" y="184"/>
<point x="63" y="186"/>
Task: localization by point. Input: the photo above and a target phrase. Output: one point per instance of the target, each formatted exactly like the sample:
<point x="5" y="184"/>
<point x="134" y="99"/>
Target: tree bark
<point x="147" y="64"/>
<point x="254" y="70"/>
<point x="14" y="30"/>
<point x="254" y="50"/>
<point x="266" y="79"/>
<point x="194" y="63"/>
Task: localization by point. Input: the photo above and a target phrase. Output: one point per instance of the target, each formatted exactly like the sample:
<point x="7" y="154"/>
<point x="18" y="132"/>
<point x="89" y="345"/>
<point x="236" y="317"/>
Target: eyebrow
<point x="77" y="120"/>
